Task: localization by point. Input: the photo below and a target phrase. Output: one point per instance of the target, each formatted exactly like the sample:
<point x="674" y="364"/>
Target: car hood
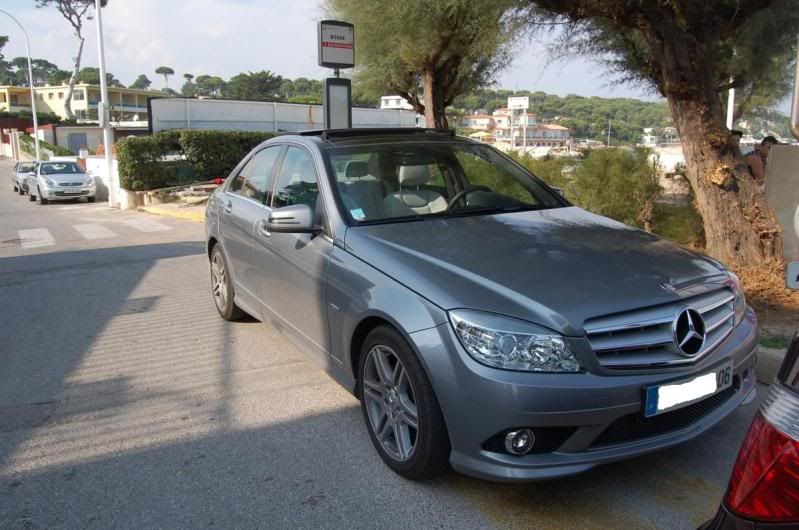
<point x="555" y="267"/>
<point x="66" y="178"/>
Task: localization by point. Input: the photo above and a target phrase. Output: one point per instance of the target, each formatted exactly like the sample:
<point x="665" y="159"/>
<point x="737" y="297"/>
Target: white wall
<point x="179" y="113"/>
<point x="95" y="166"/>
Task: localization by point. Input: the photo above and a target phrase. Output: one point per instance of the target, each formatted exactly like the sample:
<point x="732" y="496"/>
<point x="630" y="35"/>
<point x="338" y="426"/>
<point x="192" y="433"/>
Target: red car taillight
<point x="765" y="480"/>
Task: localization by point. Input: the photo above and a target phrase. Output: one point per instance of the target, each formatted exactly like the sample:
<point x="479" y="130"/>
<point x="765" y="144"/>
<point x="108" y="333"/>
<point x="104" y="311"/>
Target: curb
<point x="768" y="364"/>
<point x="176" y="213"/>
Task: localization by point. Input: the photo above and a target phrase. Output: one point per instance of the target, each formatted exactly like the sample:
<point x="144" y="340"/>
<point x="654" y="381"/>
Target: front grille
<point x="62" y="194"/>
<point x="643" y="337"/>
<point x="547" y="439"/>
<point x="71" y="184"/>
<point x="636" y="426"/>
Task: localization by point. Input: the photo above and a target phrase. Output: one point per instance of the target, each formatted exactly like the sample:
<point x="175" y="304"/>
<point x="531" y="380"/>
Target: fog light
<point x="519" y="442"/>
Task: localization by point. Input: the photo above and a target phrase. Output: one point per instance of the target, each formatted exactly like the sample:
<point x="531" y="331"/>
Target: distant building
<point x="394" y="102"/>
<point x="127" y="104"/>
<point x="499" y="124"/>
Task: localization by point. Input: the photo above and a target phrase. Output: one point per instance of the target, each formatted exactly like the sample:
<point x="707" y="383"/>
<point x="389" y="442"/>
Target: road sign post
<point x="337" y="50"/>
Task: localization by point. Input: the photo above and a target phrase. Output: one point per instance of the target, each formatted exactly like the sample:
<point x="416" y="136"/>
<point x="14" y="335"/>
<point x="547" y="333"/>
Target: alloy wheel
<point x="219" y="281"/>
<point x="390" y="403"/>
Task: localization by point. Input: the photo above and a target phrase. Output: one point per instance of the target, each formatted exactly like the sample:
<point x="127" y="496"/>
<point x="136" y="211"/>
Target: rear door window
<point x="237" y="183"/>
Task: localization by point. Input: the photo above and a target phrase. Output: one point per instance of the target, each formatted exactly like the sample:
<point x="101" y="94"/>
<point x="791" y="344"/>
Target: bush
<point x="140" y="159"/>
<point x="214" y="154"/>
<point x="680" y="223"/>
<point x="208" y="154"/>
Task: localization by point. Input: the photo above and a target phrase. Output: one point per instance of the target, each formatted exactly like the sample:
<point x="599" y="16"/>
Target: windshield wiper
<point x="477" y="210"/>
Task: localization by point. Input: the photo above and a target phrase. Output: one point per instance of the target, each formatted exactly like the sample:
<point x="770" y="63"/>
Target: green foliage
<point x="28" y="144"/>
<point x="140" y="160"/>
<point x="215" y="153"/>
<point x="141" y="82"/>
<point x="257" y="86"/>
<point x="680" y="223"/>
<point x="91" y="76"/>
<point x="208" y="153"/>
<point x="452" y="45"/>
<point x="44" y="118"/>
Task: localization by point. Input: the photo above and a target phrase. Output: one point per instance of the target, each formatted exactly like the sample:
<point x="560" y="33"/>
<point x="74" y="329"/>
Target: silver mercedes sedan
<point x="483" y="321"/>
<point x="60" y="181"/>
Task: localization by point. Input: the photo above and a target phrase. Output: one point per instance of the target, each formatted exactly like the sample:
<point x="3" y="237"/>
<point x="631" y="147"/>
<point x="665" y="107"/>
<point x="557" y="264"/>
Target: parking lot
<point x="125" y="401"/>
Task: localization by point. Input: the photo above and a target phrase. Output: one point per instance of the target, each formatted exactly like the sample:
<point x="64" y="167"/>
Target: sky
<point x="226" y="37"/>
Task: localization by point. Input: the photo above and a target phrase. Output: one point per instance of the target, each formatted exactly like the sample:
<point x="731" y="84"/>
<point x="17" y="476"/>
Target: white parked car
<point x="58" y="181"/>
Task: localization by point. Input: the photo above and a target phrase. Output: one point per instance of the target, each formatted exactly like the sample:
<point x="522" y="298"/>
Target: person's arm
<point x="756" y="167"/>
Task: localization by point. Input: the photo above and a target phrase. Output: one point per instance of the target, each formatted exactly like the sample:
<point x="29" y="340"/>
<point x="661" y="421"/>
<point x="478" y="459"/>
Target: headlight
<point x="504" y="342"/>
<point x="739" y="303"/>
<point x="50" y="182"/>
<point x="88" y="181"/>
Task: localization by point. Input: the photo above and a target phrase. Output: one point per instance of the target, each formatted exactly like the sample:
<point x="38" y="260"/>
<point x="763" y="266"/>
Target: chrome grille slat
<point x="643" y="337"/>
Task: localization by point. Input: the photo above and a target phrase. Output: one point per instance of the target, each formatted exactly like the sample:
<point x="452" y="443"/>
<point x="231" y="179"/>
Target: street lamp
<point x="102" y="109"/>
<point x="30" y="82"/>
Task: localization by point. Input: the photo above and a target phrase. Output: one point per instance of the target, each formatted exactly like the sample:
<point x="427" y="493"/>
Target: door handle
<point x="228" y="207"/>
<point x="263" y="228"/>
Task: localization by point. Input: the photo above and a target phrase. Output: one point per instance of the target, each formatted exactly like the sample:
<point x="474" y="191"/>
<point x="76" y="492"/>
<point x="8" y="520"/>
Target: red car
<point x="764" y="488"/>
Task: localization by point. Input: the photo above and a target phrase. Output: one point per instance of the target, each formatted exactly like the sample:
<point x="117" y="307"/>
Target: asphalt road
<point x="126" y="402"/>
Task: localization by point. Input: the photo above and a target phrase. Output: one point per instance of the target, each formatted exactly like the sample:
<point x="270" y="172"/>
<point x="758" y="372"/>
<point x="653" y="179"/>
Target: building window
<point x="60" y="95"/>
<point x="50" y="95"/>
<point x="14" y="100"/>
<point x="78" y="96"/>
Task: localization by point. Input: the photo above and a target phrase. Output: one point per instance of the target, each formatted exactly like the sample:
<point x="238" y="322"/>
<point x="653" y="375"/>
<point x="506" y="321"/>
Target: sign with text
<point x="336" y="44"/>
<point x="519" y="102"/>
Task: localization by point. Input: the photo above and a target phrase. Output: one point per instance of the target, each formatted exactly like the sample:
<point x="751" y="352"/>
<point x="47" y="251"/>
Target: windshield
<point x="381" y="183"/>
<point x="54" y="168"/>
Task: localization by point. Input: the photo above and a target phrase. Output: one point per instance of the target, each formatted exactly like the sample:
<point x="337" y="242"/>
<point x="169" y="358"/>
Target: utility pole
<point x="30" y="82"/>
<point x="103" y="112"/>
<point x="609" y="122"/>
<point x="730" y="106"/>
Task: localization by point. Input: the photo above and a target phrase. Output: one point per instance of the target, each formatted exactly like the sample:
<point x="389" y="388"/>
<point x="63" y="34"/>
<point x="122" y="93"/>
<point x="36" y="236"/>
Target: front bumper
<point x="583" y="419"/>
<point x="66" y="194"/>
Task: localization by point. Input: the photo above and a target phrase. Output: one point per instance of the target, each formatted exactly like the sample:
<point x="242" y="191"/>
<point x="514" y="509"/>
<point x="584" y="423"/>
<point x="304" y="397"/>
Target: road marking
<point x="36" y="237"/>
<point x="147" y="225"/>
<point x="94" y="231"/>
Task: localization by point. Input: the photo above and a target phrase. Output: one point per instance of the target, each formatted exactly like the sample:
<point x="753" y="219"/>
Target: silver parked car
<point x="482" y="320"/>
<point x="19" y="176"/>
<point x="60" y="181"/>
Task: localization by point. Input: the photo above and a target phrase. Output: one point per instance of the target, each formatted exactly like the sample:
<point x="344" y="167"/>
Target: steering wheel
<point x="463" y="193"/>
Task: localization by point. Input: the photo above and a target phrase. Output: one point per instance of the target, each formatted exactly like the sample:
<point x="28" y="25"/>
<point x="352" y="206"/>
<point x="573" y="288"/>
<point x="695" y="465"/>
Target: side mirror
<point x="559" y="191"/>
<point x="32" y="174"/>
<point x="294" y="219"/>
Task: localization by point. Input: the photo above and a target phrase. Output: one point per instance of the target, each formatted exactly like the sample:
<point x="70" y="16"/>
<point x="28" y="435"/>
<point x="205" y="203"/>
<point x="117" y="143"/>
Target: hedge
<point x="207" y="153"/>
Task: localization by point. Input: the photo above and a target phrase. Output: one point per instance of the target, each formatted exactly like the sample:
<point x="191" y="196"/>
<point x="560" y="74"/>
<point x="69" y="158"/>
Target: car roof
<point x="335" y="137"/>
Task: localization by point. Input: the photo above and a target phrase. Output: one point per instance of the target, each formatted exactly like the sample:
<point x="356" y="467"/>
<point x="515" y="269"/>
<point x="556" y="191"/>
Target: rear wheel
<point x="402" y="413"/>
<point x="222" y="287"/>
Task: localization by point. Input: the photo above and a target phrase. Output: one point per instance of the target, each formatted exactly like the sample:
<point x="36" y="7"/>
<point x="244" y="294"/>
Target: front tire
<point x="20" y="190"/>
<point x="31" y="196"/>
<point x="42" y="200"/>
<point x="222" y="287"/>
<point x="90" y="199"/>
<point x="400" y="408"/>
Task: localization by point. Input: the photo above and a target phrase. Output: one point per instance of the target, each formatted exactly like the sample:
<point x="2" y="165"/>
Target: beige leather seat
<point x="410" y="201"/>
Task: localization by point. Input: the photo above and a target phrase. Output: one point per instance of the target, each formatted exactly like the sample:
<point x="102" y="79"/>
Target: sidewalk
<point x="177" y="210"/>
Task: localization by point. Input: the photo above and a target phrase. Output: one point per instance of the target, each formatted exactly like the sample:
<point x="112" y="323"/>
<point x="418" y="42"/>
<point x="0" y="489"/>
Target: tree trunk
<point x="740" y="227"/>
<point x="74" y="78"/>
<point x="434" y="107"/>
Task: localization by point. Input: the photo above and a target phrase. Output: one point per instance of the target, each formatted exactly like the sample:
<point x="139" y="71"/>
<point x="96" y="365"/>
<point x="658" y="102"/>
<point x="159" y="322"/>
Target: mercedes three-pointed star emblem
<point x="689" y="331"/>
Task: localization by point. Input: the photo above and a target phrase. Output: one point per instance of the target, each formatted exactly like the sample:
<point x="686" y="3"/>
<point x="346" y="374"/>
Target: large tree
<point x="76" y="12"/>
<point x="428" y="51"/>
<point x="165" y="71"/>
<point x="684" y="49"/>
<point x="141" y="82"/>
<point x="263" y="85"/>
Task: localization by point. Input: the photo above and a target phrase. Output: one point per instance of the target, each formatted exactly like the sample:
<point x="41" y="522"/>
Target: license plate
<point x="665" y="398"/>
<point x="71" y="190"/>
